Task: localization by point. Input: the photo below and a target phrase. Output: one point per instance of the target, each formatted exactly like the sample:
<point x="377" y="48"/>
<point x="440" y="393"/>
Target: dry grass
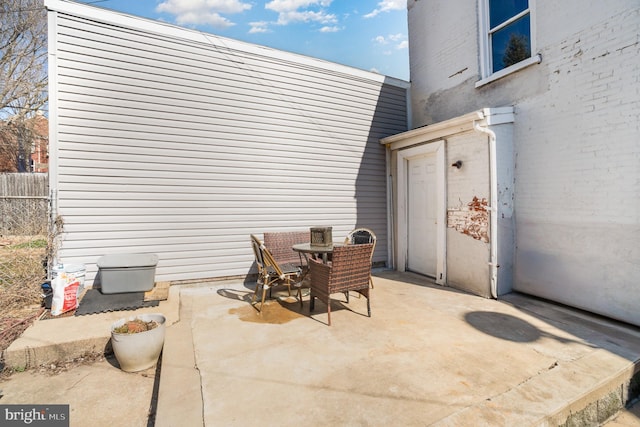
<point x="22" y="271"/>
<point x="28" y="239"/>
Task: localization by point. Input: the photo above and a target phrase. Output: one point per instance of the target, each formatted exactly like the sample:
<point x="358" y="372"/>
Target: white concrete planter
<point x="140" y="350"/>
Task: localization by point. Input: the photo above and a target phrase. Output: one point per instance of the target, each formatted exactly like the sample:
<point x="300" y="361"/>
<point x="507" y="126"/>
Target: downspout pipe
<point x="493" y="208"/>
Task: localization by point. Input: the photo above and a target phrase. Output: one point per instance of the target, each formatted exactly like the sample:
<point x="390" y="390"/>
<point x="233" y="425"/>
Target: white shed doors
<point x="421" y="210"/>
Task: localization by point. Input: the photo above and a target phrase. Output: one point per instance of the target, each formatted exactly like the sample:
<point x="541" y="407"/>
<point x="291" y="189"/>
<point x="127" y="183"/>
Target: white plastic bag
<point x="65" y="293"/>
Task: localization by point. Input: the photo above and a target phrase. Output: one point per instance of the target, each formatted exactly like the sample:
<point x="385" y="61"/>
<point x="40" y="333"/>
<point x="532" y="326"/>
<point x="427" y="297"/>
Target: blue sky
<point x="366" y="34"/>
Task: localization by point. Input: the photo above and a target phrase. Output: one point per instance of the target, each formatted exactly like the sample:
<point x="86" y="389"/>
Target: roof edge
<point x="122" y="19"/>
<point x="484" y="116"/>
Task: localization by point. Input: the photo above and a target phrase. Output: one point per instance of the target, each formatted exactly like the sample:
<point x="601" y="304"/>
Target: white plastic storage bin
<point x="122" y="273"/>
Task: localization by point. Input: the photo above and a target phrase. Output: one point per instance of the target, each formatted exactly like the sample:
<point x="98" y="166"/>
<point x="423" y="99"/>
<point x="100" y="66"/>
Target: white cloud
<point x="289" y="5"/>
<point x="259" y="27"/>
<point x="213" y="19"/>
<point x="381" y="40"/>
<point x="199" y="12"/>
<point x="399" y="40"/>
<point x="333" y="29"/>
<point x="291" y="11"/>
<point x="285" y="18"/>
<point x="386" y="6"/>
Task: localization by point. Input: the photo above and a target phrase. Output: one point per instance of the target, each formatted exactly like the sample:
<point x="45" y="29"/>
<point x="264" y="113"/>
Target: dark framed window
<point x="509" y="33"/>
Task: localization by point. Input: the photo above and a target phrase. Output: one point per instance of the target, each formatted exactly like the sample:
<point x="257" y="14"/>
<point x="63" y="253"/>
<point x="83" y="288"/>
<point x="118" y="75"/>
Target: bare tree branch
<point x="23" y="79"/>
<point x="23" y="58"/>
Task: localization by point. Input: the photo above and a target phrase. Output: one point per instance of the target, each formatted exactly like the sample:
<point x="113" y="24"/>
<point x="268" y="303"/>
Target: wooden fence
<point x="24" y="204"/>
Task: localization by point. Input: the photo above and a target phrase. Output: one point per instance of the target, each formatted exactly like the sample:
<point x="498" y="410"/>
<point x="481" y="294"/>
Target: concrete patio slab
<point x="64" y="338"/>
<point x="98" y="394"/>
<point x="428" y="356"/>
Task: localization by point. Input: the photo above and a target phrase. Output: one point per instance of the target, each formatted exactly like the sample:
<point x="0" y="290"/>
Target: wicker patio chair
<point x="360" y="236"/>
<point x="280" y="243"/>
<point x="271" y="274"/>
<point x="350" y="270"/>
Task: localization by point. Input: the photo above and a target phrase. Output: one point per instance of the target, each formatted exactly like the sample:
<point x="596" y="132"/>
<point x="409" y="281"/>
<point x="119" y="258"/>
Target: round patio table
<point x="314" y="250"/>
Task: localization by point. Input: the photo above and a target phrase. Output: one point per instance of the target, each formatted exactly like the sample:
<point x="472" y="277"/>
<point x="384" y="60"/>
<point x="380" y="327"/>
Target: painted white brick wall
<point x="467" y="256"/>
<point x="576" y="136"/>
<point x="577" y="175"/>
<point x="442" y="49"/>
<point x="578" y="143"/>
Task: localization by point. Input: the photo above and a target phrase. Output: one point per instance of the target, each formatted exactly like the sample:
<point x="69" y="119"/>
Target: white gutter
<point x="493" y="208"/>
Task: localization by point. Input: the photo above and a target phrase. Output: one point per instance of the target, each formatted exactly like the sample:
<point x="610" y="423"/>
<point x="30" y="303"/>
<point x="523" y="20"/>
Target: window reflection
<point x="511" y="44"/>
<point x="502" y="10"/>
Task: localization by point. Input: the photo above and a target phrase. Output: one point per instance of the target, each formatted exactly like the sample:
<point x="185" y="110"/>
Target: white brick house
<point x="550" y="141"/>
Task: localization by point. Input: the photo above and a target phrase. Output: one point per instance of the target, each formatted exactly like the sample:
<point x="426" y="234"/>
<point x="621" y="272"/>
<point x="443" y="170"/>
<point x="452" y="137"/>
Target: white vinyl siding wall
<point x="183" y="146"/>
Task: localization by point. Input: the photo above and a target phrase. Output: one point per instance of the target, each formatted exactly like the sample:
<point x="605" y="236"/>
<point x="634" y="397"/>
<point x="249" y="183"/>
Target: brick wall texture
<point x="576" y="142"/>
